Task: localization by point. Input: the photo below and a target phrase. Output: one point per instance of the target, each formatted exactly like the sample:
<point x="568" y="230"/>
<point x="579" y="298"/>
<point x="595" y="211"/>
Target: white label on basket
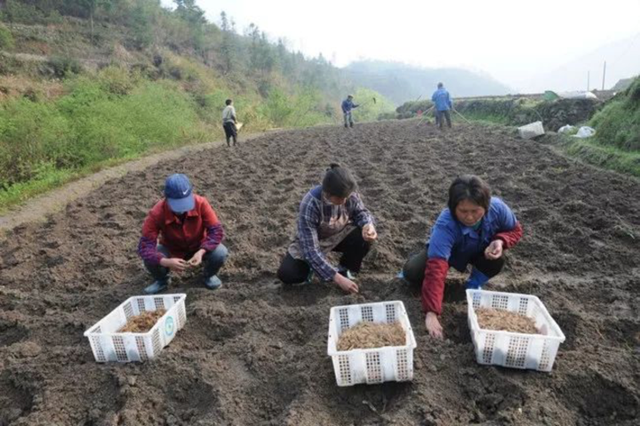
<point x="169" y="326"/>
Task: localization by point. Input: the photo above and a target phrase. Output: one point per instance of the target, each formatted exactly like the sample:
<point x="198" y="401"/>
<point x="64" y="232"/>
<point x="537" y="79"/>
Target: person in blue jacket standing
<point x="443" y="104"/>
<point x="347" y="106"/>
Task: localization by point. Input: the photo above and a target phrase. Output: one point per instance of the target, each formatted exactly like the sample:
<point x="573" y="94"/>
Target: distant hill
<point x="400" y="82"/>
<point x="623" y="61"/>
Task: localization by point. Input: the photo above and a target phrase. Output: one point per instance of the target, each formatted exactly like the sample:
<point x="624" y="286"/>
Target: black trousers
<point x="414" y="268"/>
<point x="230" y="131"/>
<point x="353" y="248"/>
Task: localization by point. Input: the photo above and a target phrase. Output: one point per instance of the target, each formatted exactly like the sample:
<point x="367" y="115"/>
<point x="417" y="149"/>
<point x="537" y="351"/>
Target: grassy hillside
<point x="88" y="83"/>
<point x="617" y="141"/>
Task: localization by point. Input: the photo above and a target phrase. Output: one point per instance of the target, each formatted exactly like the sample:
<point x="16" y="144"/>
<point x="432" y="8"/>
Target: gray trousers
<point x="447" y="116"/>
<point x="348" y="120"/>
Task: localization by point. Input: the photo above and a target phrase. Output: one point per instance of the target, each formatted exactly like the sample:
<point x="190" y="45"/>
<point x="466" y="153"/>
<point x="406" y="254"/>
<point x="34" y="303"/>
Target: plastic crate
<point x="515" y="350"/>
<point x="109" y="345"/>
<point x="390" y="363"/>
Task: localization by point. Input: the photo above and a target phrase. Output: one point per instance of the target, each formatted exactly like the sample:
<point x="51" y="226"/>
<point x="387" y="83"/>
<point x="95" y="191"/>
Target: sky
<point x="511" y="40"/>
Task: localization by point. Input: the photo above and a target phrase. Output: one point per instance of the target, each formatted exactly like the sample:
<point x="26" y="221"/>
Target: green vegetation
<point x="98" y="82"/>
<point x="617" y="141"/>
<point x="618" y="123"/>
<point x="604" y="156"/>
<point x="6" y="39"/>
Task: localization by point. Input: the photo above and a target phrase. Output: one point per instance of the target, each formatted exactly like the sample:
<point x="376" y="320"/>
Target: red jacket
<point x="201" y="229"/>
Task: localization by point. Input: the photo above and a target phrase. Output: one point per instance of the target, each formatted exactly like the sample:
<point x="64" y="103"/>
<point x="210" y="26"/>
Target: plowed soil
<point x="254" y="353"/>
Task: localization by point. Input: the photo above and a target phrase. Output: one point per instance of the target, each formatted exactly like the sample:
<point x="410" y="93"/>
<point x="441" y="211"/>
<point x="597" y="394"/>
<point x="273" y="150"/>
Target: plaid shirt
<point x="309" y="222"/>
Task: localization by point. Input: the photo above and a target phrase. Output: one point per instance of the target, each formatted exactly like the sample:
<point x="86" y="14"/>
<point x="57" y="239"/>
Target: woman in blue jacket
<point x="474" y="230"/>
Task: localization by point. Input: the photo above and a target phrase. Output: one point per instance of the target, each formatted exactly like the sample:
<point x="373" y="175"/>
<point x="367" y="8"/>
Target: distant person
<point x="347" y="106"/>
<point x="189" y="234"/>
<point x="443" y="105"/>
<point x="475" y="230"/>
<point x="229" y="122"/>
<point x="332" y="217"/>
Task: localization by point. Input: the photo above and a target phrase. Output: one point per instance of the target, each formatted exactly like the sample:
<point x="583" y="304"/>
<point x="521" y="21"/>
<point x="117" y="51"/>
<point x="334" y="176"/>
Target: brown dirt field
<point x="254" y="353"/>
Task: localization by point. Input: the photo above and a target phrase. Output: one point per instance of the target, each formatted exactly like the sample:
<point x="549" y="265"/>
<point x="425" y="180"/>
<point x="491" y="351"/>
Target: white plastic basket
<point x="390" y="363"/>
<point x="515" y="350"/>
<point x="109" y="345"/>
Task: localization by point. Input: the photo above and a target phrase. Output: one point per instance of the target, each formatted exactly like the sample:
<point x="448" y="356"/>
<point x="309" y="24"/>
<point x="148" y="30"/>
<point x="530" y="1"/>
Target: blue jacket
<point x="347" y="105"/>
<point x="442" y="100"/>
<point x="458" y="244"/>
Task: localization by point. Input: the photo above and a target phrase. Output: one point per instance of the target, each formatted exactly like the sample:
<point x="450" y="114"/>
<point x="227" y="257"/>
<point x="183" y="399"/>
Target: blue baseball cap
<point x="179" y="193"/>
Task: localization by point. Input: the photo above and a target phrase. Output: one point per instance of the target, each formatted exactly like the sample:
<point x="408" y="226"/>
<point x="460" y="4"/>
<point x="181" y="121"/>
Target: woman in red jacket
<point x="474" y="230"/>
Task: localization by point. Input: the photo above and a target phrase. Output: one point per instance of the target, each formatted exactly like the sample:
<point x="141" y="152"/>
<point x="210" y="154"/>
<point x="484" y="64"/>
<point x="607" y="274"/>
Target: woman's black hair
<point x="338" y="181"/>
<point x="228" y="102"/>
<point x="469" y="187"/>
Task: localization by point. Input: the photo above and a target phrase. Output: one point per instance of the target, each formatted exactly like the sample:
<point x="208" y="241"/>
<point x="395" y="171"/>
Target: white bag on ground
<point x="531" y="130"/>
<point x="585" y="132"/>
<point x="566" y="129"/>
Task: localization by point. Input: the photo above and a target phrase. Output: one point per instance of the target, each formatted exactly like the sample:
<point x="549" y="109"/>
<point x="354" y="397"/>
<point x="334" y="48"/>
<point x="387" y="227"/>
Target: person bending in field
<point x="332" y="217"/>
<point x="475" y="230"/>
<point x="189" y="232"/>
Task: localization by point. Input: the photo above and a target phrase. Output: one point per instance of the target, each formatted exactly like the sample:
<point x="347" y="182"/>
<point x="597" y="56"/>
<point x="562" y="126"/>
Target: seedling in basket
<point x="536" y="349"/>
<point x="371" y="365"/>
<point x="165" y="314"/>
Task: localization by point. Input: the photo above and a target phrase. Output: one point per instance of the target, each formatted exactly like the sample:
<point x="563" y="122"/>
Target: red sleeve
<point x="209" y="217"/>
<point x="214" y="230"/>
<point x="510" y="238"/>
<point x="147" y="247"/>
<point x="433" y="285"/>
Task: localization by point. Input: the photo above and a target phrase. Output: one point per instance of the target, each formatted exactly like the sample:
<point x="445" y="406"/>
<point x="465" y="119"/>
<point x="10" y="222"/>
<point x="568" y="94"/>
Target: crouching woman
<point x="332" y="217"/>
<point x="475" y="230"/>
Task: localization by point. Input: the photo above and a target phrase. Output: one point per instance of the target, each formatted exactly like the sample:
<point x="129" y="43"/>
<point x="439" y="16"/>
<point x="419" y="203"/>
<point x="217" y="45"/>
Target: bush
<point x="6" y="39"/>
<point x="19" y="11"/>
<point x="30" y="134"/>
<point x="61" y="67"/>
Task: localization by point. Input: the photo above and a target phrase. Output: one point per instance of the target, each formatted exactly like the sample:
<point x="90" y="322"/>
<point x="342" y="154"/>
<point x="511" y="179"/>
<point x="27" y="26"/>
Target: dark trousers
<point x="414" y="268"/>
<point x="230" y="132"/>
<point x="353" y="248"/>
<point x="447" y="116"/>
<point x="212" y="262"/>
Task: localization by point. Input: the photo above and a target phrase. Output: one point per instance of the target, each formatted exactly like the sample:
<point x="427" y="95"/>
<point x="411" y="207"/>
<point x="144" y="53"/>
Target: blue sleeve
<point x="506" y="217"/>
<point x="443" y="238"/>
<point x="433" y="97"/>
<point x="449" y="100"/>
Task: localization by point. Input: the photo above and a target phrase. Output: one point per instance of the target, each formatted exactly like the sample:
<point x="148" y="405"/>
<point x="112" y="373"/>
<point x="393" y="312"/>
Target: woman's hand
<point x="433" y="325"/>
<point x="174" y="263"/>
<point x="196" y="259"/>
<point x="345" y="283"/>
<point x="369" y="233"/>
<point x="494" y="251"/>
